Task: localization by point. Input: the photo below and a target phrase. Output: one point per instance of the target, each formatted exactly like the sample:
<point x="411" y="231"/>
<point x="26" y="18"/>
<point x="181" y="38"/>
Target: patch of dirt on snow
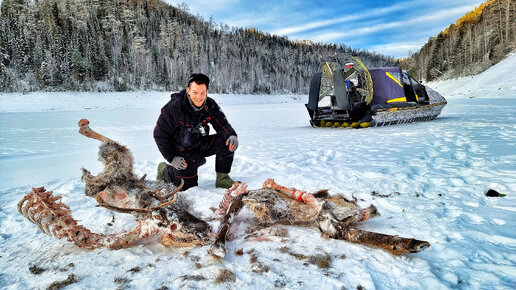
<point x="193" y="278"/>
<point x="224" y="276"/>
<point x="198" y="266"/>
<point x="121" y="280"/>
<point x="34" y="269"/>
<point x="195" y="258"/>
<point x="65" y="268"/>
<point x="135" y="269"/>
<point x="257" y="266"/>
<point x="60" y="284"/>
<point x="320" y="260"/>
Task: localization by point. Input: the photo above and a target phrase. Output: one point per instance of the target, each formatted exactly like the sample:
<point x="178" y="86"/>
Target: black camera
<point x="198" y="130"/>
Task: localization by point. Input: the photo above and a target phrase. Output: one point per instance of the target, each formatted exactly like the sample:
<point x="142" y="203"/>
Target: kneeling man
<point x="182" y="136"/>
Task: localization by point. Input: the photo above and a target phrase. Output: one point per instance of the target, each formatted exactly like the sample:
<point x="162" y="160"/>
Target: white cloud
<point x="408" y="25"/>
<point x="401" y="49"/>
<point x="355" y="16"/>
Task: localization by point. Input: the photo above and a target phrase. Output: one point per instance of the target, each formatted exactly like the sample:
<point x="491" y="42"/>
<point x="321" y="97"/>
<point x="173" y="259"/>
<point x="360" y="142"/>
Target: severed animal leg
<point x="299" y="195"/>
<point x="54" y="218"/>
<point x="394" y="244"/>
<point x="218" y="248"/>
<point x="85" y="130"/>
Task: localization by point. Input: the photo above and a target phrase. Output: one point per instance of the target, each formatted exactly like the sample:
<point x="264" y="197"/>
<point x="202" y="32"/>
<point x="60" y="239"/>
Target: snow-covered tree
<point x="146" y="44"/>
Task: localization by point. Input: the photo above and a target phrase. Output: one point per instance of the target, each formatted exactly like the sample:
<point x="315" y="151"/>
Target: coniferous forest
<point x="478" y="40"/>
<point x="119" y="45"/>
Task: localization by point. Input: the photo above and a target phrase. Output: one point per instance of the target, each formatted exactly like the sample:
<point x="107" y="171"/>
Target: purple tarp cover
<point x="384" y="87"/>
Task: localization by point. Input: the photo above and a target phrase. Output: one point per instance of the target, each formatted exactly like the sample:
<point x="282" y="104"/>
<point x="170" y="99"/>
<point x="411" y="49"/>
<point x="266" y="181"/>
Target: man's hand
<point x="232" y="142"/>
<point x="179" y="163"/>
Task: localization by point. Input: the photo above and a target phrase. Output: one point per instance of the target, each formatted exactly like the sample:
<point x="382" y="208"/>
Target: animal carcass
<point x="335" y="216"/>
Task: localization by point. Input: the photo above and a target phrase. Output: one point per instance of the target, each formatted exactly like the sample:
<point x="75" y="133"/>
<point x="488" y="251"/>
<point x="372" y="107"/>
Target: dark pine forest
<point x="119" y="45"/>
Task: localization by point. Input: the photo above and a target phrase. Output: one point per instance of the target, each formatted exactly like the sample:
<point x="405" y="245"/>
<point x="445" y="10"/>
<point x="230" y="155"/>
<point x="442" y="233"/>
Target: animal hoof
<point x="418" y="246"/>
<point x="218" y="251"/>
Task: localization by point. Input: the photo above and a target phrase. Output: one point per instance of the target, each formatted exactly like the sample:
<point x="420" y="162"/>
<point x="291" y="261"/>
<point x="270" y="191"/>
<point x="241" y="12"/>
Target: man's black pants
<point x="210" y="145"/>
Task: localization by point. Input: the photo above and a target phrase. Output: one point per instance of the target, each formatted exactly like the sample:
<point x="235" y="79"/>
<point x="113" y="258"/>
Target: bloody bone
<point x="238" y="188"/>
<point x="85" y="130"/>
<point x="218" y="247"/>
<point x="300" y="195"/>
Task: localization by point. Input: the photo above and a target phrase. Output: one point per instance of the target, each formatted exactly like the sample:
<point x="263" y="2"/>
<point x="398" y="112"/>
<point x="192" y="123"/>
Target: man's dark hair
<point x="199" y="79"/>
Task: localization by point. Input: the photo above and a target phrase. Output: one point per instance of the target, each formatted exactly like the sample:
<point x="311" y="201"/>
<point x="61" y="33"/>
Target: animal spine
<point x="54" y="218"/>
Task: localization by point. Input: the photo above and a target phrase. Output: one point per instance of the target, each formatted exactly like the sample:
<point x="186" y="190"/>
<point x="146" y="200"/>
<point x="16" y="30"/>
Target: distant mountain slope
<point x="145" y="44"/>
<point x="478" y="40"/>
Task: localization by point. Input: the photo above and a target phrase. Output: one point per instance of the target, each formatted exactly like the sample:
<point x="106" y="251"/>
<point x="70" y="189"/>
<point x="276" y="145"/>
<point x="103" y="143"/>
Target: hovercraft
<point x="355" y="96"/>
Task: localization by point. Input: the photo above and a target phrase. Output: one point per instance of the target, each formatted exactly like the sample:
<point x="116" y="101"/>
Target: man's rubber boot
<point x="161" y="168"/>
<point x="223" y="181"/>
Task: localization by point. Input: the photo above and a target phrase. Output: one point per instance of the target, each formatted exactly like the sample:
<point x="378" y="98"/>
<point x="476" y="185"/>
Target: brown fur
<point x="270" y="207"/>
<point x="118" y="169"/>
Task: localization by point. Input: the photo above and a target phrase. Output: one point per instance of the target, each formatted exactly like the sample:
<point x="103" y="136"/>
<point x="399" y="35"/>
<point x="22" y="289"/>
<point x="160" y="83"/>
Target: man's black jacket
<point x="180" y="128"/>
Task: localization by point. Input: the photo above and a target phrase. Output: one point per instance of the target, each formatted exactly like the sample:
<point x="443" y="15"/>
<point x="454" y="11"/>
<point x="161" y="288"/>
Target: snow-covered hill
<point x="429" y="182"/>
<point x="499" y="81"/>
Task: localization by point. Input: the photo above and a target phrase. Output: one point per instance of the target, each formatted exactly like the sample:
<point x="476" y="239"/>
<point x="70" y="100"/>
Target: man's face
<point x="197" y="93"/>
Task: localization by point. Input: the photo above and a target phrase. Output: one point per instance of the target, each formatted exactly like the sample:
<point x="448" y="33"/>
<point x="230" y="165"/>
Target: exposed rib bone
<point x="85" y="130"/>
<point x="141" y="182"/>
<point x="165" y="203"/>
<point x="55" y="219"/>
<point x="238" y="188"/>
<point x="218" y="247"/>
<point x="156" y="195"/>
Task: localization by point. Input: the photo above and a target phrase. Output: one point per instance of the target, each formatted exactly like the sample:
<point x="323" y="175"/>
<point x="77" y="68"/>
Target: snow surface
<point x="429" y="180"/>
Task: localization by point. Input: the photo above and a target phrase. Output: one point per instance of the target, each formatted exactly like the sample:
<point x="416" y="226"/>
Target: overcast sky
<point x="393" y="28"/>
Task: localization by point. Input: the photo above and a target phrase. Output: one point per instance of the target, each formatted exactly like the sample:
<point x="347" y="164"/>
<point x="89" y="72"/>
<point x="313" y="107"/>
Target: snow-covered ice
<point x="428" y="180"/>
